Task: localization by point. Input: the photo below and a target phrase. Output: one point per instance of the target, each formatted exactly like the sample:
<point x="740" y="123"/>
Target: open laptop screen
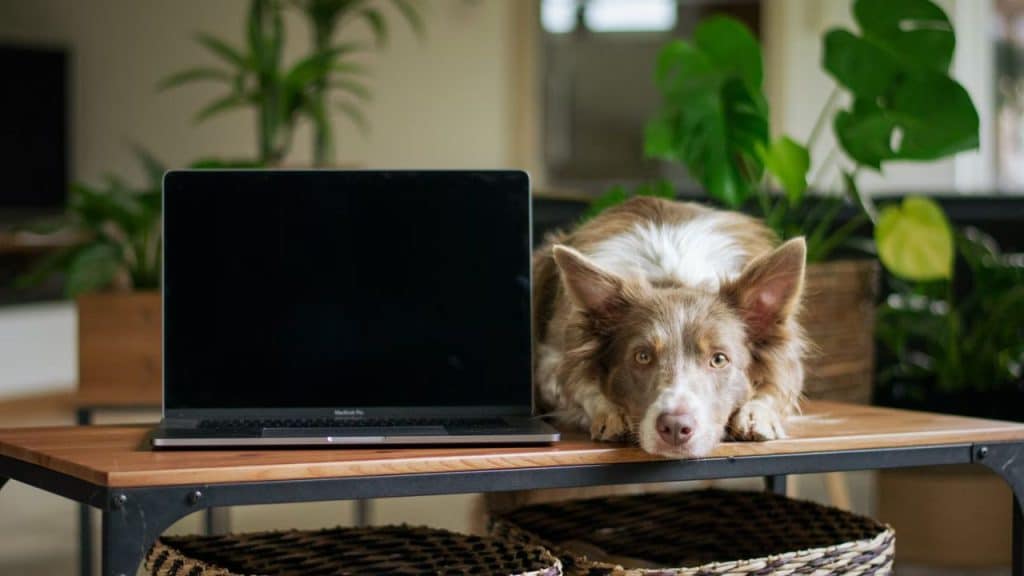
<point x="289" y="289"/>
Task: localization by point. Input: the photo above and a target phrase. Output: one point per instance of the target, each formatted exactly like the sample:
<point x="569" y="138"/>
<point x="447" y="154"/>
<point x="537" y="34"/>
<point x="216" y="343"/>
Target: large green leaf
<point x="915" y="30"/>
<point x="714" y="119"/>
<point x="915" y="241"/>
<point x="929" y="116"/>
<point x="905" y="105"/>
<point x="788" y="162"/>
<point x="862" y="67"/>
<point x="731" y="48"/>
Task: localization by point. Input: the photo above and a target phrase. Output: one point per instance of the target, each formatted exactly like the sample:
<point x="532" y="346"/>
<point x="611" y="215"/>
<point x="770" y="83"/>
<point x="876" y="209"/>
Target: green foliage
<point x="714" y="121"/>
<point x="915" y="241"/>
<point x="905" y="105"/>
<point x="122" y="226"/>
<point x="789" y="162"/>
<point x="943" y="343"/>
<point x="619" y="194"/>
<point x="255" y="76"/>
<point x="326" y="18"/>
<point x="714" y="117"/>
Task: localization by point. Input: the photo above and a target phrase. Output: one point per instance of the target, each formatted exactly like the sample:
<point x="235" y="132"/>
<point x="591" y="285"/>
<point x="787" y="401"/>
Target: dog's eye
<point x="643" y="357"/>
<point x="719" y="360"/>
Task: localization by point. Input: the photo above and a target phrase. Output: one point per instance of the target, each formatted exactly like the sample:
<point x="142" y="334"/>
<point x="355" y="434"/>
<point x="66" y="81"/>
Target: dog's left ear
<point x="768" y="290"/>
<point x="590" y="287"/>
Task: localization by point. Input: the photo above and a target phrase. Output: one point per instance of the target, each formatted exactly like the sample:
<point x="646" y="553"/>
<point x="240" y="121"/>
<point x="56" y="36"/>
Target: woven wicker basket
<point x="839" y="318"/>
<point x="379" y="550"/>
<point x="708" y="532"/>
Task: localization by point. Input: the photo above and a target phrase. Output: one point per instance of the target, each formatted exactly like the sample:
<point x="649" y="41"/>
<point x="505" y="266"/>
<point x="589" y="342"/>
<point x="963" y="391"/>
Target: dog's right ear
<point x="591" y="288"/>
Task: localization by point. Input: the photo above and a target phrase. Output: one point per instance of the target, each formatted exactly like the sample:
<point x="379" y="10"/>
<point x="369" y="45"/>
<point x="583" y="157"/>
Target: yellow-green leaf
<point x="788" y="162"/>
<point x="915" y="241"/>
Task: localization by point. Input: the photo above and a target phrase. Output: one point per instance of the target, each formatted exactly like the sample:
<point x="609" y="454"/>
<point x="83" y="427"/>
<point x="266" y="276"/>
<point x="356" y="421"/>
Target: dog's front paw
<point x="756" y="420"/>
<point x="609" y="425"/>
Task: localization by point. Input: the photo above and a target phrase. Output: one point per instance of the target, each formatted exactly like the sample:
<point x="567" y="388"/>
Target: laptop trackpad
<point x="355" y="432"/>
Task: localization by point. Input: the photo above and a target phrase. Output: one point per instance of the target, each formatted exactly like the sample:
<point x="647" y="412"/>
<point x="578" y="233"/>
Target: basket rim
<point x="165" y="544"/>
<point x="881" y="543"/>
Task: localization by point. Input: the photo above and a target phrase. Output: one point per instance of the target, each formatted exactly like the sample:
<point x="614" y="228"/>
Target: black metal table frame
<point x="215" y="521"/>
<point x="133" y="518"/>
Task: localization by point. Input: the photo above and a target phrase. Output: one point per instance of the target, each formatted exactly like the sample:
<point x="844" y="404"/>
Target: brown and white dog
<point x="670" y="324"/>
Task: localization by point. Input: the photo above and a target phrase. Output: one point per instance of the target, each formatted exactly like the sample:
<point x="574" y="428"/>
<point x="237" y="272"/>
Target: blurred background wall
<point x="443" y="101"/>
<point x="469" y="94"/>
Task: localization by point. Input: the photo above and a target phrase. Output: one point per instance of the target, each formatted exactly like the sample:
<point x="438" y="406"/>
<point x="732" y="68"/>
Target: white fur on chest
<point x="698" y="252"/>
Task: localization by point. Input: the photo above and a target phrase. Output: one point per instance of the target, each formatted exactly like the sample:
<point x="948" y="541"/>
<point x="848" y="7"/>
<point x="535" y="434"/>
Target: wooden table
<point x="141" y="492"/>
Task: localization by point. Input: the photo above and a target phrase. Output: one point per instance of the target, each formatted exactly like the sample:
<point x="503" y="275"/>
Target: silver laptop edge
<point x="538" y="432"/>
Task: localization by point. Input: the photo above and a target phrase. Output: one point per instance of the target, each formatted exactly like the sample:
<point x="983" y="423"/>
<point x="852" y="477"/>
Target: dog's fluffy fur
<point x="634" y="310"/>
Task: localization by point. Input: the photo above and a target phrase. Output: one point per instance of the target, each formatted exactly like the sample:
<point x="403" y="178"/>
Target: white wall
<point x="37" y="349"/>
<point x="442" y="102"/>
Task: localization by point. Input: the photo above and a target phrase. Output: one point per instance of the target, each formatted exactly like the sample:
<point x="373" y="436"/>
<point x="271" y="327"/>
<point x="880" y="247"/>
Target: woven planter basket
<point x="838" y="316"/>
<point x="707" y="532"/>
<point x="378" y="550"/>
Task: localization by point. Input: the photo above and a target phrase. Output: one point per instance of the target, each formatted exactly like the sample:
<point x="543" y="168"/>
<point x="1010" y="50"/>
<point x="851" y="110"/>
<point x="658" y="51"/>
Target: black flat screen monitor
<point x="33" y="140"/>
<point x="362" y="290"/>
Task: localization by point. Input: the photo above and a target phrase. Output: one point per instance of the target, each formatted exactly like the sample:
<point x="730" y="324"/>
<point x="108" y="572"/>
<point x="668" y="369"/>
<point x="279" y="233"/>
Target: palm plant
<point x="326" y="18"/>
<point x="256" y="76"/>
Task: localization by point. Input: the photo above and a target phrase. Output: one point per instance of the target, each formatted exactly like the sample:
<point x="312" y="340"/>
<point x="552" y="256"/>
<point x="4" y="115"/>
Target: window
<point x="597" y="86"/>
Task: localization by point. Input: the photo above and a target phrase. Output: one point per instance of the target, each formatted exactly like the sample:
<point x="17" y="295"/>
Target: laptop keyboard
<point x="237" y="424"/>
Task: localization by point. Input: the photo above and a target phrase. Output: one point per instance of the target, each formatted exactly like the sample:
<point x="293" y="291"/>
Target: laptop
<point x="347" y="308"/>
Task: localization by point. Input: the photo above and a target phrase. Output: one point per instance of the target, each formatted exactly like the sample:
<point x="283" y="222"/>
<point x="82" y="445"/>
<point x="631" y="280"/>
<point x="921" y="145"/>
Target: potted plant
<point x="952" y="340"/>
<point x="282" y="95"/>
<point x="903" y="105"/>
<point x="114" y="276"/>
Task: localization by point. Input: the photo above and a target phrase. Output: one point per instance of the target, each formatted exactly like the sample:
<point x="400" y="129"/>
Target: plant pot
<point x="839" y="318"/>
<point x="119" y="349"/>
<point x="951" y="517"/>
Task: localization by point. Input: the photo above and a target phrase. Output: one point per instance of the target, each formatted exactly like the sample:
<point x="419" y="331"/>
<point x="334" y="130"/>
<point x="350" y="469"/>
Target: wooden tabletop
<point x="120" y="456"/>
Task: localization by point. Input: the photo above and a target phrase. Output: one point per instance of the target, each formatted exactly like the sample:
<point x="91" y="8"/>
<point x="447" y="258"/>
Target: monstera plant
<point x="894" y="100"/>
<point x="902" y="105"/>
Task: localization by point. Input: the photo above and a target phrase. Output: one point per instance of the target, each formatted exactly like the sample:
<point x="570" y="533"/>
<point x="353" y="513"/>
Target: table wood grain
<point x="120" y="456"/>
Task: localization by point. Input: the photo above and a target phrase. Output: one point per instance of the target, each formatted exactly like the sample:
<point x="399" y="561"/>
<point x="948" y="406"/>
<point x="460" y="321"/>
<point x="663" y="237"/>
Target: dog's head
<point x="679" y="360"/>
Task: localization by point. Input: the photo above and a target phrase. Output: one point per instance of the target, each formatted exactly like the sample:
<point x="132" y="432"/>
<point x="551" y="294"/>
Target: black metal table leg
<point x="132" y="521"/>
<point x="776" y="484"/>
<point x="1007" y="460"/>
<point x="84" y="418"/>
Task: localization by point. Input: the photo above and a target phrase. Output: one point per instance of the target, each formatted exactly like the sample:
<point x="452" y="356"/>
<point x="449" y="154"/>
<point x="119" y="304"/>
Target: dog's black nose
<point x="675" y="429"/>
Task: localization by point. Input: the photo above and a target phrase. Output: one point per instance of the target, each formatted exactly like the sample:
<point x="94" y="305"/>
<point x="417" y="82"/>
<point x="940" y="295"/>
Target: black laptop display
<point x="347" y="307"/>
